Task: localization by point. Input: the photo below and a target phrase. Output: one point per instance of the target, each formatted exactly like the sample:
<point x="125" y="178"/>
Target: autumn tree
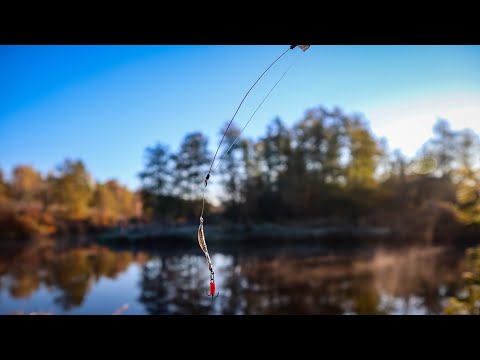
<point x="467" y="176"/>
<point x="3" y="188"/>
<point x="113" y="202"/>
<point x="26" y="184"/>
<point x="73" y="189"/>
<point x="364" y="154"/>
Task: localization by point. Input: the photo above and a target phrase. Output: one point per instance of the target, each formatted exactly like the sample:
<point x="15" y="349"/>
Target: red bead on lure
<point x="212" y="283"/>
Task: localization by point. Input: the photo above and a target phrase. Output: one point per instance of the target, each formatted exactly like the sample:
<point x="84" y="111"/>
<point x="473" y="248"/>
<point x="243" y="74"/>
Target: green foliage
<point x="327" y="165"/>
<point x="364" y="155"/>
<point x="229" y="170"/>
<point x="191" y="163"/>
<point x="468" y="301"/>
<point x="443" y="147"/>
<point x="156" y="177"/>
<point x="456" y="153"/>
<point x="171" y="182"/>
<point x="468" y="196"/>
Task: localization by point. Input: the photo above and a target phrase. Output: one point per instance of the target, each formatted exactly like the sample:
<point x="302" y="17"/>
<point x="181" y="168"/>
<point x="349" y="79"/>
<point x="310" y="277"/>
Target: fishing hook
<point x="211" y="293"/>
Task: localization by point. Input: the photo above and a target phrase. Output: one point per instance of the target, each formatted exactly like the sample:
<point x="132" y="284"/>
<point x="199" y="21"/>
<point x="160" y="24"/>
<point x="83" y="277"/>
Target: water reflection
<point x="68" y="274"/>
<point x="411" y="281"/>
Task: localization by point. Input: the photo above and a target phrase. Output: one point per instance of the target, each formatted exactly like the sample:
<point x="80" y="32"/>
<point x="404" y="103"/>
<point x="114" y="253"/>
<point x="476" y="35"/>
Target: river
<point x="45" y="277"/>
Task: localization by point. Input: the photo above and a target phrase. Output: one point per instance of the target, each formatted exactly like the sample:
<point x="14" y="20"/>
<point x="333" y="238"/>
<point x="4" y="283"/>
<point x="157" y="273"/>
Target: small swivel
<point x="212" y="284"/>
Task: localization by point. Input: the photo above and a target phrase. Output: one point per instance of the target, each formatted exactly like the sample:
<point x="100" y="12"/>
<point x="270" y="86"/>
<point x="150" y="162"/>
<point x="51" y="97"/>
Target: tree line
<point x="32" y="203"/>
<point x="328" y="165"/>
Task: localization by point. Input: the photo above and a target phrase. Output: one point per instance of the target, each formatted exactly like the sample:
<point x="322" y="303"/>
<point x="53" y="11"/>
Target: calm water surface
<point x="273" y="280"/>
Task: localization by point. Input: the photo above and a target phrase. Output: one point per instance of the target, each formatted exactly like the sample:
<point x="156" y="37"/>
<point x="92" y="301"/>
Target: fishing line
<point x="201" y="235"/>
<point x="246" y="124"/>
<point x="235" y="114"/>
<point x="238" y="108"/>
<point x="258" y="107"/>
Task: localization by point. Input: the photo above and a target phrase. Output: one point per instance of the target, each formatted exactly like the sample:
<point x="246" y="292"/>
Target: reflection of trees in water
<point x="72" y="271"/>
<point x="371" y="285"/>
<point x="384" y="282"/>
<point x="175" y="285"/>
<point x="420" y="278"/>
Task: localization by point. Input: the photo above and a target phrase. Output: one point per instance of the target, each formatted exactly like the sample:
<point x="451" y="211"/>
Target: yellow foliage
<point x="468" y="301"/>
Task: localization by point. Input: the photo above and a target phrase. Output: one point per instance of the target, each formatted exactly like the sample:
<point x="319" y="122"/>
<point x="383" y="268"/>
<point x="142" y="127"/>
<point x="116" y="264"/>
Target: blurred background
<point x="355" y="189"/>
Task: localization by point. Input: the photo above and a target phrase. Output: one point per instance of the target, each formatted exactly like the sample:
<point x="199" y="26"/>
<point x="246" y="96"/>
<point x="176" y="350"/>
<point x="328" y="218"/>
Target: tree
<point x="26" y="183"/>
<point x="320" y="136"/>
<point x="468" y="302"/>
<point x="364" y="154"/>
<point x="468" y="143"/>
<point x="230" y="169"/>
<point x="456" y="154"/>
<point x="315" y="169"/>
<point x="273" y="151"/>
<point x="157" y="180"/>
<point x="113" y="202"/>
<point x="3" y="188"/>
<point x="73" y="189"/>
<point x="276" y="146"/>
<point x="104" y="204"/>
<point x="191" y="163"/>
<point x="443" y="147"/>
<point x="157" y="176"/>
<point x="467" y="176"/>
<point x="251" y="186"/>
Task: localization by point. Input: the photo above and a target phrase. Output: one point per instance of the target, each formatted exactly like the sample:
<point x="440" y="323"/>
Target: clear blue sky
<point x="105" y="104"/>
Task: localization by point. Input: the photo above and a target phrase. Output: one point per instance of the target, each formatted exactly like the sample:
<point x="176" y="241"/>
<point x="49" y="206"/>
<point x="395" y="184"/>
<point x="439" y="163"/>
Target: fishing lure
<point x="201" y="234"/>
<point x="203" y="246"/>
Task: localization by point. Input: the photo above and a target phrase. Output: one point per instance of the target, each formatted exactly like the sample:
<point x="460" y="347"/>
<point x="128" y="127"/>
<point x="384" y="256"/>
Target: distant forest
<point x="327" y="168"/>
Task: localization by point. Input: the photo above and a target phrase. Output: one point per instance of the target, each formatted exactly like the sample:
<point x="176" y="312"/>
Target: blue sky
<point x="105" y="104"/>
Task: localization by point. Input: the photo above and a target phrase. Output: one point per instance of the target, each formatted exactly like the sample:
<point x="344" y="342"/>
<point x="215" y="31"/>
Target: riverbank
<point x="264" y="233"/>
<point x="343" y="235"/>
